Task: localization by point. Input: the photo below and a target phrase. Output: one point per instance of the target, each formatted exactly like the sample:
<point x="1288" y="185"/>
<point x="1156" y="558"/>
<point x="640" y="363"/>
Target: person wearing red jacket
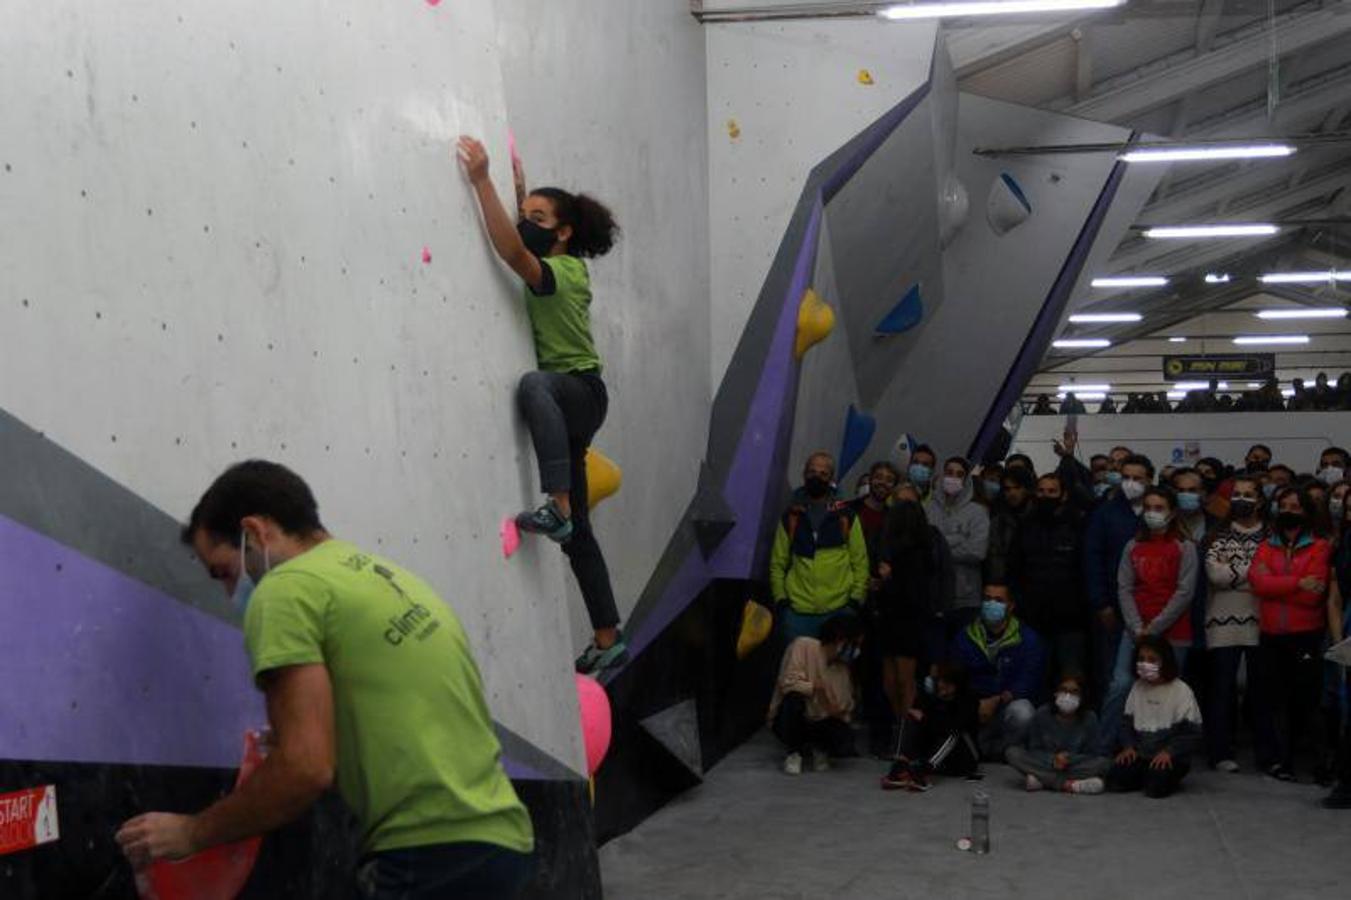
<point x="1289" y="576"/>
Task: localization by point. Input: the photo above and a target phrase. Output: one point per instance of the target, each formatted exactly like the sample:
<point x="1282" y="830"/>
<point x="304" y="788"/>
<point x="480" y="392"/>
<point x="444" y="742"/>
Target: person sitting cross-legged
<point x="814" y="695"/>
<point x="1161" y="727"/>
<point x="1058" y="750"/>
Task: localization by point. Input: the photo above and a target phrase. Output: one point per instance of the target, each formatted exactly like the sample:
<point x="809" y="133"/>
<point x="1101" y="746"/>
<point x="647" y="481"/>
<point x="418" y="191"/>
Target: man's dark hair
<point x="1020" y="459"/>
<point x="255" y="487"/>
<point x="1099" y="456"/>
<point x="1167" y="658"/>
<point x="1139" y="460"/>
<point x="883" y="465"/>
<point x="961" y="461"/>
<point x="1337" y="450"/>
<point x="1122" y="447"/>
<point x="1022" y="477"/>
<point x="842" y="627"/>
<point x="1282" y="467"/>
<point x="1262" y="447"/>
<point x="953" y="673"/>
<point x="924" y="448"/>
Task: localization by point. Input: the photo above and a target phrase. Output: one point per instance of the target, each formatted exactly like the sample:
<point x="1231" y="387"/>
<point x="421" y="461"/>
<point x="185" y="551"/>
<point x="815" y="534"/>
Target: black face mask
<point x="1255" y="465"/>
<point x="1242" y="509"/>
<point x="538" y="239"/>
<point x="1047" y="507"/>
<point x="816" y="487"/>
<point x="1289" y="521"/>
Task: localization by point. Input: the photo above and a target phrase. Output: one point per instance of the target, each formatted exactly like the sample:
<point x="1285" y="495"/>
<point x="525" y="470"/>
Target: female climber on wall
<point x="564" y="403"/>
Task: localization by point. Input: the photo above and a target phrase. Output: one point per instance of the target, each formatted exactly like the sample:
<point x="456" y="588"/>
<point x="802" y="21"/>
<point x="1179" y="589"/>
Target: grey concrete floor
<point x="752" y="832"/>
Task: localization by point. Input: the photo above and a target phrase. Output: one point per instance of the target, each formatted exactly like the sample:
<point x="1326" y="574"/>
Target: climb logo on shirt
<point x="417" y="623"/>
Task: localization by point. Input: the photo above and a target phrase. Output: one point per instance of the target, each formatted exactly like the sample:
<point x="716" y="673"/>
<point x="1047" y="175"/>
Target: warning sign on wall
<point x="27" y="819"/>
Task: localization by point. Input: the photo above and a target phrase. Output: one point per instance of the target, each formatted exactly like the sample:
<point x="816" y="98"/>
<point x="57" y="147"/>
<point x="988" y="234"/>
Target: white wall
<point x="1295" y="439"/>
<point x="608" y="97"/>
<point x="793" y="90"/>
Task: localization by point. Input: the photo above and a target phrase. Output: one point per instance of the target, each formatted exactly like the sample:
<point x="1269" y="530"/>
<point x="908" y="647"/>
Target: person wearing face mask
<point x="1196" y="524"/>
<point x="1161" y="726"/>
<point x="370" y="686"/>
<point x="1231" y="620"/>
<point x="920" y="472"/>
<point x="1098" y="466"/>
<point x="1156" y="586"/>
<point x="991" y="481"/>
<point x="819" y="562"/>
<point x="1015" y="506"/>
<point x="1058" y="752"/>
<point x="937" y="736"/>
<point x="814" y="695"/>
<point x="1255" y="462"/>
<point x="1290" y="576"/>
<point x="1212" y="474"/>
<point x="1046" y="576"/>
<point x="870" y="509"/>
<point x="1110" y="528"/>
<point x="1278" y="477"/>
<point x="966" y="526"/>
<point x="1006" y="663"/>
<point x="1332" y="466"/>
<point x="565" y="402"/>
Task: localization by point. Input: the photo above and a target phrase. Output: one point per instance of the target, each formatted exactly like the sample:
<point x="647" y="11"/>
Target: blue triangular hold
<point x="859" y="428"/>
<point x="904" y="315"/>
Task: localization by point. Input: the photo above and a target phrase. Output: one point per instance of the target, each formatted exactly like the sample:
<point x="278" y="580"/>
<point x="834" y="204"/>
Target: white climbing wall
<point x="212" y="222"/>
<point x="782" y="97"/>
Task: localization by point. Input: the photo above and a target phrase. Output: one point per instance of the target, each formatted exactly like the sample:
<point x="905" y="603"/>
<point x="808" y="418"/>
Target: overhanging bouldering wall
<point x="940" y="275"/>
<point x="234" y="230"/>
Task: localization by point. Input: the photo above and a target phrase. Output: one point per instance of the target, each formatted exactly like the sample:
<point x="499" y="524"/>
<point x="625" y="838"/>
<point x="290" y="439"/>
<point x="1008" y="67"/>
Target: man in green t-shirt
<point x="370" y="684"/>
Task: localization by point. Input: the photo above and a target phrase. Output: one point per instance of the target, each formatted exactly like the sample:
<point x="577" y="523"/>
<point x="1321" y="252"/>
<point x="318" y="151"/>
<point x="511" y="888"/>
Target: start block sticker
<point x="27" y="819"/>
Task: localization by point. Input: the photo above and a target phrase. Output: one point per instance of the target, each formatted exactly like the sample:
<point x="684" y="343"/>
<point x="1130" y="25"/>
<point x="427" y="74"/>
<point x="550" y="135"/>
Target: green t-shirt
<point x="418" y="760"/>
<point x="561" y="318"/>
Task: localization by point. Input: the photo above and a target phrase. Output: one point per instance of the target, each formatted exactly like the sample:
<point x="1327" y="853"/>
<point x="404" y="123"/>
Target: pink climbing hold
<point x="511" y="537"/>
<point x="593" y="705"/>
<point x="433" y="2"/>
<point x="426" y="255"/>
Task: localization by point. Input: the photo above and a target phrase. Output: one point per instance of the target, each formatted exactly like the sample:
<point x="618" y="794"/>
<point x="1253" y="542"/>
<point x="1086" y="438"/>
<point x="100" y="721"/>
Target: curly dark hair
<point x="593" y="225"/>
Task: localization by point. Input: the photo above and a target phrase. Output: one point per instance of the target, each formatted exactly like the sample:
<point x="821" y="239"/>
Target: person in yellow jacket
<point x="819" y="564"/>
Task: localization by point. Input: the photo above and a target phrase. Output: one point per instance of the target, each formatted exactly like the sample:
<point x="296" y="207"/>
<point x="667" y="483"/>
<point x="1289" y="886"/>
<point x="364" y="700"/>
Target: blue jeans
<point x="1123" y="679"/>
<point x="467" y="871"/>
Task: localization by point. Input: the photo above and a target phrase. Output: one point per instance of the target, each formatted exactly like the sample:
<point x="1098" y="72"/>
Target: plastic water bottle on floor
<point x="980" y="821"/>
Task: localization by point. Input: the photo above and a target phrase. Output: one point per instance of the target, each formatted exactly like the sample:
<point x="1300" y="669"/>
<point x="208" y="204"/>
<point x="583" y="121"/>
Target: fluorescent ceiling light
<point x="1081" y="344"/>
<point x="1272" y="339"/>
<point x="1176" y="395"/>
<point x="1090" y="388"/>
<point x="937" y="10"/>
<point x="1099" y="318"/>
<point x="1089" y="396"/>
<point x="1130" y="281"/>
<point x="1177" y="340"/>
<point x="1254" y="384"/>
<point x="1211" y="231"/>
<point x="1199" y="386"/>
<point x="1288" y="392"/>
<point x="1304" y="277"/>
<point x="1301" y="314"/>
<point x="1186" y="154"/>
<point x="1218" y="278"/>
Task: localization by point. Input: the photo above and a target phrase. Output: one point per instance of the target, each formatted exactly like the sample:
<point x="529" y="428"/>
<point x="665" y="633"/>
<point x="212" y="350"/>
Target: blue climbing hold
<point x="904" y="315"/>
<point x="859" y="428"/>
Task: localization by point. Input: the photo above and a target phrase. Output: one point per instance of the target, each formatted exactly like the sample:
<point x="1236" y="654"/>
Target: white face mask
<point x="1331" y="475"/>
<point x="952" y="486"/>
<point x="245" y="584"/>
<point x="1148" y="671"/>
<point x="1133" y="490"/>
<point x="1067" y="703"/>
<point x="1155" y="520"/>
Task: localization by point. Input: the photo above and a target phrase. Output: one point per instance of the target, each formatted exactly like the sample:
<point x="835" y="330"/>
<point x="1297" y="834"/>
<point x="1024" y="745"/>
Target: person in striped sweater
<point x="1232" y="623"/>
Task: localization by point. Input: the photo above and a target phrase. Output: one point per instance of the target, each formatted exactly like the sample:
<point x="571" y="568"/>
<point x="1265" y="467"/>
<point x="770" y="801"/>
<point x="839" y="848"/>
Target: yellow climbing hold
<point x="603" y="477"/>
<point x="733" y="129"/>
<point x="815" y="320"/>
<point x="865" y="77"/>
<point x="756" y="624"/>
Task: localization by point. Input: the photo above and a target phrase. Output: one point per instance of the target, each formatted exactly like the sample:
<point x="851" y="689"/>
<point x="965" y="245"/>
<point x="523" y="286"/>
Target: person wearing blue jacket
<point x="1005" y="661"/>
<point x="1110" y="528"/>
